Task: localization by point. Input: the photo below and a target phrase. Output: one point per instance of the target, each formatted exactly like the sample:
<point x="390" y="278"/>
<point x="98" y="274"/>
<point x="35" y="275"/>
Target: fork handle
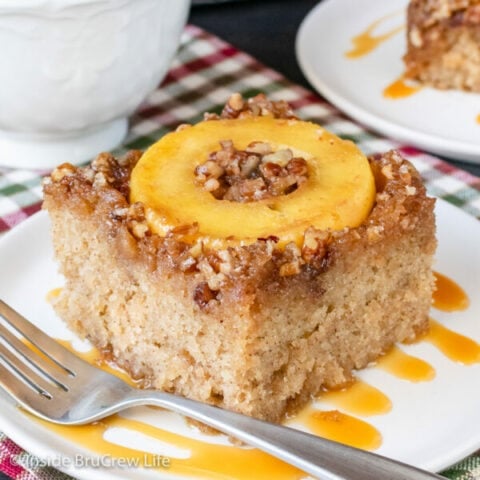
<point x="317" y="456"/>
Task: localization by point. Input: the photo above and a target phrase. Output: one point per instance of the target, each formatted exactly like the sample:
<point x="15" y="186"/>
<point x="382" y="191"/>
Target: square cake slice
<point x="443" y="43"/>
<point x="254" y="324"/>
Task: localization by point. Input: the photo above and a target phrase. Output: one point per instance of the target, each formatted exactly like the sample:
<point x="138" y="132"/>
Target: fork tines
<point x="29" y="359"/>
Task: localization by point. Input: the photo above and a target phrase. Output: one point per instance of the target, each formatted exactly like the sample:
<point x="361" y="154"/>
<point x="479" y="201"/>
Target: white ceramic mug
<point x="72" y="71"/>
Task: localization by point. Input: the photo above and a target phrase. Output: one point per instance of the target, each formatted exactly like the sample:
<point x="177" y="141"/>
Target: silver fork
<point x="62" y="388"/>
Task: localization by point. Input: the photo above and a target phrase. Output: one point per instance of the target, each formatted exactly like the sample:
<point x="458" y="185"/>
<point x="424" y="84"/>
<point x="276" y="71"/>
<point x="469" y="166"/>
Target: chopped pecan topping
<point x="62" y="171"/>
<point x="260" y="105"/>
<point x="203" y="295"/>
<point x="472" y="15"/>
<point x="255" y="173"/>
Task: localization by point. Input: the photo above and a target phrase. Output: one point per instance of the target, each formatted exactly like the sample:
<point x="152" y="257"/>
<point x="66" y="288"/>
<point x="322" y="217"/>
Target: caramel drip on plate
<point x="406" y="367"/>
<point x="400" y="88"/>
<point x="340" y="427"/>
<point x="455" y="346"/>
<point x="53" y="294"/>
<point x="367" y="41"/>
<point x="359" y="398"/>
<point x="100" y="359"/>
<point x="206" y="461"/>
<point x="449" y="296"/>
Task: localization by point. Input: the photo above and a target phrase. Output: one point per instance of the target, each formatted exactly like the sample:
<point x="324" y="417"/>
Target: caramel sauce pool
<point x="455" y="346"/>
<point x="338" y="426"/>
<point x="359" y="398"/>
<point x="367" y="41"/>
<point x="449" y="296"/>
<point x="406" y="367"/>
<point x="53" y="294"/>
<point x="212" y="461"/>
<point x="400" y="88"/>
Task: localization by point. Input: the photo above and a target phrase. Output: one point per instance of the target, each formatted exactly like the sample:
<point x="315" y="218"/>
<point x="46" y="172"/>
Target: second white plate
<point x="442" y="122"/>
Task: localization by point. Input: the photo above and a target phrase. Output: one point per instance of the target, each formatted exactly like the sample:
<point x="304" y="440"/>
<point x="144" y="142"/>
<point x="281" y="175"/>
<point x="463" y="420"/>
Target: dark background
<point x="266" y="29"/>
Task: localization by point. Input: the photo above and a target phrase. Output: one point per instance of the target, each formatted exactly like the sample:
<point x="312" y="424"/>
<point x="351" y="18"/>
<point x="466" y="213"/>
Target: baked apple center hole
<point x="253" y="174"/>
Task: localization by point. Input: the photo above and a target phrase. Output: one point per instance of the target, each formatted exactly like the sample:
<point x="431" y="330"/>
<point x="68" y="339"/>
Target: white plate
<point x="443" y="122"/>
<point x="432" y="424"/>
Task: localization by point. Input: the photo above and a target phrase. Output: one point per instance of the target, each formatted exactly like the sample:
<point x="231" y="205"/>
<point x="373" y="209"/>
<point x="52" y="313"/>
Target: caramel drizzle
<point x="448" y="295"/>
<point x="407" y="367"/>
<point x="400" y="88"/>
<point x="455" y="346"/>
<point x="340" y="427"/>
<point x="359" y="398"/>
<point x="367" y="41"/>
<point x="53" y="294"/>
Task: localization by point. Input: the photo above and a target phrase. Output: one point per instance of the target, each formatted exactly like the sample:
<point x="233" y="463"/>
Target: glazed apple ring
<point x="339" y="191"/>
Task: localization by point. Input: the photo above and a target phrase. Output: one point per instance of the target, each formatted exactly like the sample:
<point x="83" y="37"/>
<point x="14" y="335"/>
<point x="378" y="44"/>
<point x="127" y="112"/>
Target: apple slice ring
<point x="339" y="191"/>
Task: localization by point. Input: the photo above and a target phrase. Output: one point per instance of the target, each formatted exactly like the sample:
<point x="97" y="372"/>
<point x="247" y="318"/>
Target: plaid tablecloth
<point x="205" y="73"/>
